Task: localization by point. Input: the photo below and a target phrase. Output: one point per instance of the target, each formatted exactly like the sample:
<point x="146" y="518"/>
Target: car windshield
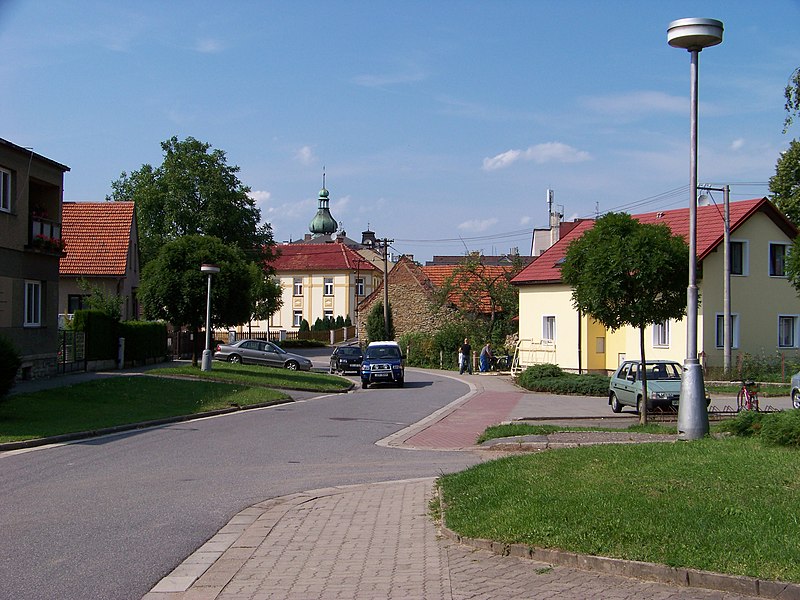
<point x="273" y="348"/>
<point x="663" y="371"/>
<point x="350" y="352"/>
<point x="383" y="352"/>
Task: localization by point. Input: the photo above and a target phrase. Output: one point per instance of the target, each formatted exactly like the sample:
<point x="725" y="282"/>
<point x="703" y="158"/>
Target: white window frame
<point x="327" y="314"/>
<point x="794" y="321"/>
<point x="549" y="329"/>
<point x="661" y="335"/>
<point x="719" y="341"/>
<point x="5" y="190"/>
<point x="33" y="304"/>
<point x="297" y="286"/>
<point x="327" y="286"/>
<point x="745" y="258"/>
<point x="785" y="256"/>
<point x="359" y="286"/>
<point x="297" y="318"/>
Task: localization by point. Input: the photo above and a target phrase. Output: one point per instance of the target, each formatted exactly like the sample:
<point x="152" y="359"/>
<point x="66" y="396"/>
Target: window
<point x="328" y="314"/>
<point x="549" y="329"/>
<point x="787" y="331"/>
<point x="777" y="260"/>
<point x="33" y="304"/>
<point x="75" y="302"/>
<point x="738" y="258"/>
<point x="298" y="286"/>
<point x="327" y="286"/>
<point x="359" y="286"/>
<point x="661" y="335"/>
<point x="5" y="190"/>
<point x="297" y="318"/>
<point x="719" y="333"/>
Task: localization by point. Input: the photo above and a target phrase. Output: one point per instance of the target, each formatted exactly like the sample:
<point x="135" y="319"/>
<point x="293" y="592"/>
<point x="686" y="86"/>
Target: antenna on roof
<point x="323" y="177"/>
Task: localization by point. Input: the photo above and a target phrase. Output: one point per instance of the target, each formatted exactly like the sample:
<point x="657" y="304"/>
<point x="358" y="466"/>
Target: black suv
<point x="346" y="358"/>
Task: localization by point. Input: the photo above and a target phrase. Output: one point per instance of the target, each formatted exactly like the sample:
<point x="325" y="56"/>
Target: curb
<point x="678" y="576"/>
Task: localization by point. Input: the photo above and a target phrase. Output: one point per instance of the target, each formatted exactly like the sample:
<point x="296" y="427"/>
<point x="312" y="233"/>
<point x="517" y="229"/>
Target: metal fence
<point x="71" y="351"/>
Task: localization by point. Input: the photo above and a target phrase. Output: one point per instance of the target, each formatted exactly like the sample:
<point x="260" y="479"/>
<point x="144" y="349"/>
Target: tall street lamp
<point x="206" y="363"/>
<point x="693" y="35"/>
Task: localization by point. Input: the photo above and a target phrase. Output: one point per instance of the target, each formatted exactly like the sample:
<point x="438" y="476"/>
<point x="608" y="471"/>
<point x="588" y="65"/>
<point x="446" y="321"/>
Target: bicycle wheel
<point x="740" y="400"/>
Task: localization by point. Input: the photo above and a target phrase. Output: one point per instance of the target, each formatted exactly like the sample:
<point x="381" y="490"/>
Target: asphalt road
<point x="109" y="517"/>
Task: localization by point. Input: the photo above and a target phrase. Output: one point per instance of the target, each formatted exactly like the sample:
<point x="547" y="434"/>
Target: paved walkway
<point x="378" y="541"/>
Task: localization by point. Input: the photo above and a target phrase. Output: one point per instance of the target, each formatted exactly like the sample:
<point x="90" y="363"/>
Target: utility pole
<point x="386" y="243"/>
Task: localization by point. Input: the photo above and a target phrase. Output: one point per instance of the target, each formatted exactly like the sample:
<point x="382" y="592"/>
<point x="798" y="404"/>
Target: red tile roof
<point x="319" y="257"/>
<point x="710" y="231"/>
<point x="96" y="238"/>
<point x="439" y="274"/>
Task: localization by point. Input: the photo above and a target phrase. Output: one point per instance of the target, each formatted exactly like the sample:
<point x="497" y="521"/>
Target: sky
<point x="439" y="124"/>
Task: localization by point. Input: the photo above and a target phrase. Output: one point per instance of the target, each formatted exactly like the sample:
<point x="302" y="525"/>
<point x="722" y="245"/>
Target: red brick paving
<point x="462" y="427"/>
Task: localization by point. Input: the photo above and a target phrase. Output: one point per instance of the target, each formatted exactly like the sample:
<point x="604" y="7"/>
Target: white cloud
<point x="477" y="225"/>
<point x="737" y="144"/>
<point x="525" y="220"/>
<point x="208" y="46"/>
<point x="540" y="154"/>
<point x="305" y="155"/>
<point x="637" y="104"/>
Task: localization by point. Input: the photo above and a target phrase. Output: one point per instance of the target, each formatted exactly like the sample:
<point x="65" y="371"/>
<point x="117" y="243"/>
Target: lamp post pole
<point x="206" y="362"/>
<point x="693" y="35"/>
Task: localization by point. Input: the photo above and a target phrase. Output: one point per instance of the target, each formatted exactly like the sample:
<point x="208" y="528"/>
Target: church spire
<point x="323" y="222"/>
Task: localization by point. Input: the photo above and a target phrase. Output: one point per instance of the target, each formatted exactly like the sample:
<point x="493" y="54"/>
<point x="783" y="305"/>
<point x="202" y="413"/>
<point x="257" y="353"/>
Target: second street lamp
<point x="205" y="365"/>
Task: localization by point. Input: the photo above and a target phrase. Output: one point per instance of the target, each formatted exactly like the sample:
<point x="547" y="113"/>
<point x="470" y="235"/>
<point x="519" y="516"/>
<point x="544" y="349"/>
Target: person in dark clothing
<point x="466" y="358"/>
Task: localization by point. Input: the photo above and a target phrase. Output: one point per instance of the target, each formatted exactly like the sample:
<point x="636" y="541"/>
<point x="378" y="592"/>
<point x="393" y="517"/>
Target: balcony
<point x="46" y="236"/>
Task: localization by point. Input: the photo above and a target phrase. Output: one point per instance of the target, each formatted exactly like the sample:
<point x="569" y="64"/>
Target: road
<point x="109" y="517"/>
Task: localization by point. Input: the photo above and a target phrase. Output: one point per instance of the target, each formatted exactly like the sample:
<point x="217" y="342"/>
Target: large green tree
<point x="174" y="289"/>
<point x="266" y="294"/>
<point x="623" y="272"/>
<point x="193" y="192"/>
<point x="785" y="184"/>
<point x="376" y="326"/>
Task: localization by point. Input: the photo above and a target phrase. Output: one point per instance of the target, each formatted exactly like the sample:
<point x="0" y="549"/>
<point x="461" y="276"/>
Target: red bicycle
<point x="748" y="396"/>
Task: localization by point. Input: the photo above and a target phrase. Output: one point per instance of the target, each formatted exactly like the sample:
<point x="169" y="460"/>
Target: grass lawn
<point x="727" y="505"/>
<point x="263" y="376"/>
<point x="118" y="400"/>
<point x="514" y="429"/>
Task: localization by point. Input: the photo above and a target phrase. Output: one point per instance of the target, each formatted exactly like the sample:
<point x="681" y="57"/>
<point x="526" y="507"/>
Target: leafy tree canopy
<point x="792" y="95"/>
<point x="785" y="184"/>
<point x="624" y="272"/>
<point x="266" y="293"/>
<point x="376" y="327"/>
<point x="174" y="289"/>
<point x="193" y="192"/>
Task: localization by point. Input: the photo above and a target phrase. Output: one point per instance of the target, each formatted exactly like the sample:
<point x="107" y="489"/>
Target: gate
<point x="71" y="351"/>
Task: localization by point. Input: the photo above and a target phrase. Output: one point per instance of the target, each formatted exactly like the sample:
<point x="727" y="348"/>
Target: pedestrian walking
<point x="466" y="361"/>
<point x="486" y="357"/>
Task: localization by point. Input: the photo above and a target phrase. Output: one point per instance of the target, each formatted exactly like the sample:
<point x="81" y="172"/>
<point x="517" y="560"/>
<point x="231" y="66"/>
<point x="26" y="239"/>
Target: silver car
<point x="663" y="385"/>
<point x="260" y="352"/>
<point x="796" y="390"/>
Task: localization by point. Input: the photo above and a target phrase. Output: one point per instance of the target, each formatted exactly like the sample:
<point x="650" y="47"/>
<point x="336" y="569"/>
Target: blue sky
<point x="440" y="124"/>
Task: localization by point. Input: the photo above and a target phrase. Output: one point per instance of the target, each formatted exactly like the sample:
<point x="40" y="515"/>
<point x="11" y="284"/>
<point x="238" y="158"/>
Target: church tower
<point x="323" y="222"/>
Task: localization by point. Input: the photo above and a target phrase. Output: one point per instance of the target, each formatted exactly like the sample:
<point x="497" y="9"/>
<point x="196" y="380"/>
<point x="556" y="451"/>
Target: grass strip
<point x="262" y="376"/>
<point x="118" y="400"/>
<point x="726" y="505"/>
<point x="515" y="429"/>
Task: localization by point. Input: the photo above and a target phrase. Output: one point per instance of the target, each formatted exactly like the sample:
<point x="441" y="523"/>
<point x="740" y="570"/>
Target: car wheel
<point x="292" y="365"/>
<point x="796" y="398"/>
<point x="615" y="405"/>
<point x="235" y="358"/>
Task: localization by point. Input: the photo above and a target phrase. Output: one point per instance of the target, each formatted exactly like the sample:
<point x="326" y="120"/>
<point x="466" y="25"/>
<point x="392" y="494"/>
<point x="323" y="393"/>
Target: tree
<point x="193" y="192"/>
<point x="792" y="95"/>
<point x="100" y="299"/>
<point x="174" y="289"/>
<point x="785" y="184"/>
<point x="477" y="290"/>
<point x="266" y="294"/>
<point x="623" y="272"/>
<point x="376" y="328"/>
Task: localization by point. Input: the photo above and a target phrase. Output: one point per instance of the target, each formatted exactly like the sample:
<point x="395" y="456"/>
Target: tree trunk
<point x="643" y="370"/>
<point x="195" y="340"/>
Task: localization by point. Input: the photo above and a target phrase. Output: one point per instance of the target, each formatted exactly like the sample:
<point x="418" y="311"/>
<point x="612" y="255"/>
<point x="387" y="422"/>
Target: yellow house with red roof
<point x="103" y="249"/>
<point x="765" y="309"/>
<point x="320" y="280"/>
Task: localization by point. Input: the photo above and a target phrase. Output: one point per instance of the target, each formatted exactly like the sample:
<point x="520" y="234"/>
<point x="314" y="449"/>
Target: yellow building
<point x="765" y="310"/>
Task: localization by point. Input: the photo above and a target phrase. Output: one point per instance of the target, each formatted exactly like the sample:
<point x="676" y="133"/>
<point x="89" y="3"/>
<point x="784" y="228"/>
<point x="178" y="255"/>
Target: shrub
<point x="144" y="339"/>
<point x="747" y="423"/>
<point x="102" y="333"/>
<point x="782" y="429"/>
<point x="9" y="364"/>
<point x="552" y="379"/>
<point x="544" y="370"/>
<point x="420" y="349"/>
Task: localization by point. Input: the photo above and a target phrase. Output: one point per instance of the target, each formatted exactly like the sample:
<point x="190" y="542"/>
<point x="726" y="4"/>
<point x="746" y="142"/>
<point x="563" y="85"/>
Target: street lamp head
<point x="209" y="268"/>
<point x="694" y="34"/>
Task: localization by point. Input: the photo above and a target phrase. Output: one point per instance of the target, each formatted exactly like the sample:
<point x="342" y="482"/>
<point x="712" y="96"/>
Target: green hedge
<point x="778" y="429"/>
<point x="144" y="339"/>
<point x="551" y="379"/>
<point x="102" y="333"/>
